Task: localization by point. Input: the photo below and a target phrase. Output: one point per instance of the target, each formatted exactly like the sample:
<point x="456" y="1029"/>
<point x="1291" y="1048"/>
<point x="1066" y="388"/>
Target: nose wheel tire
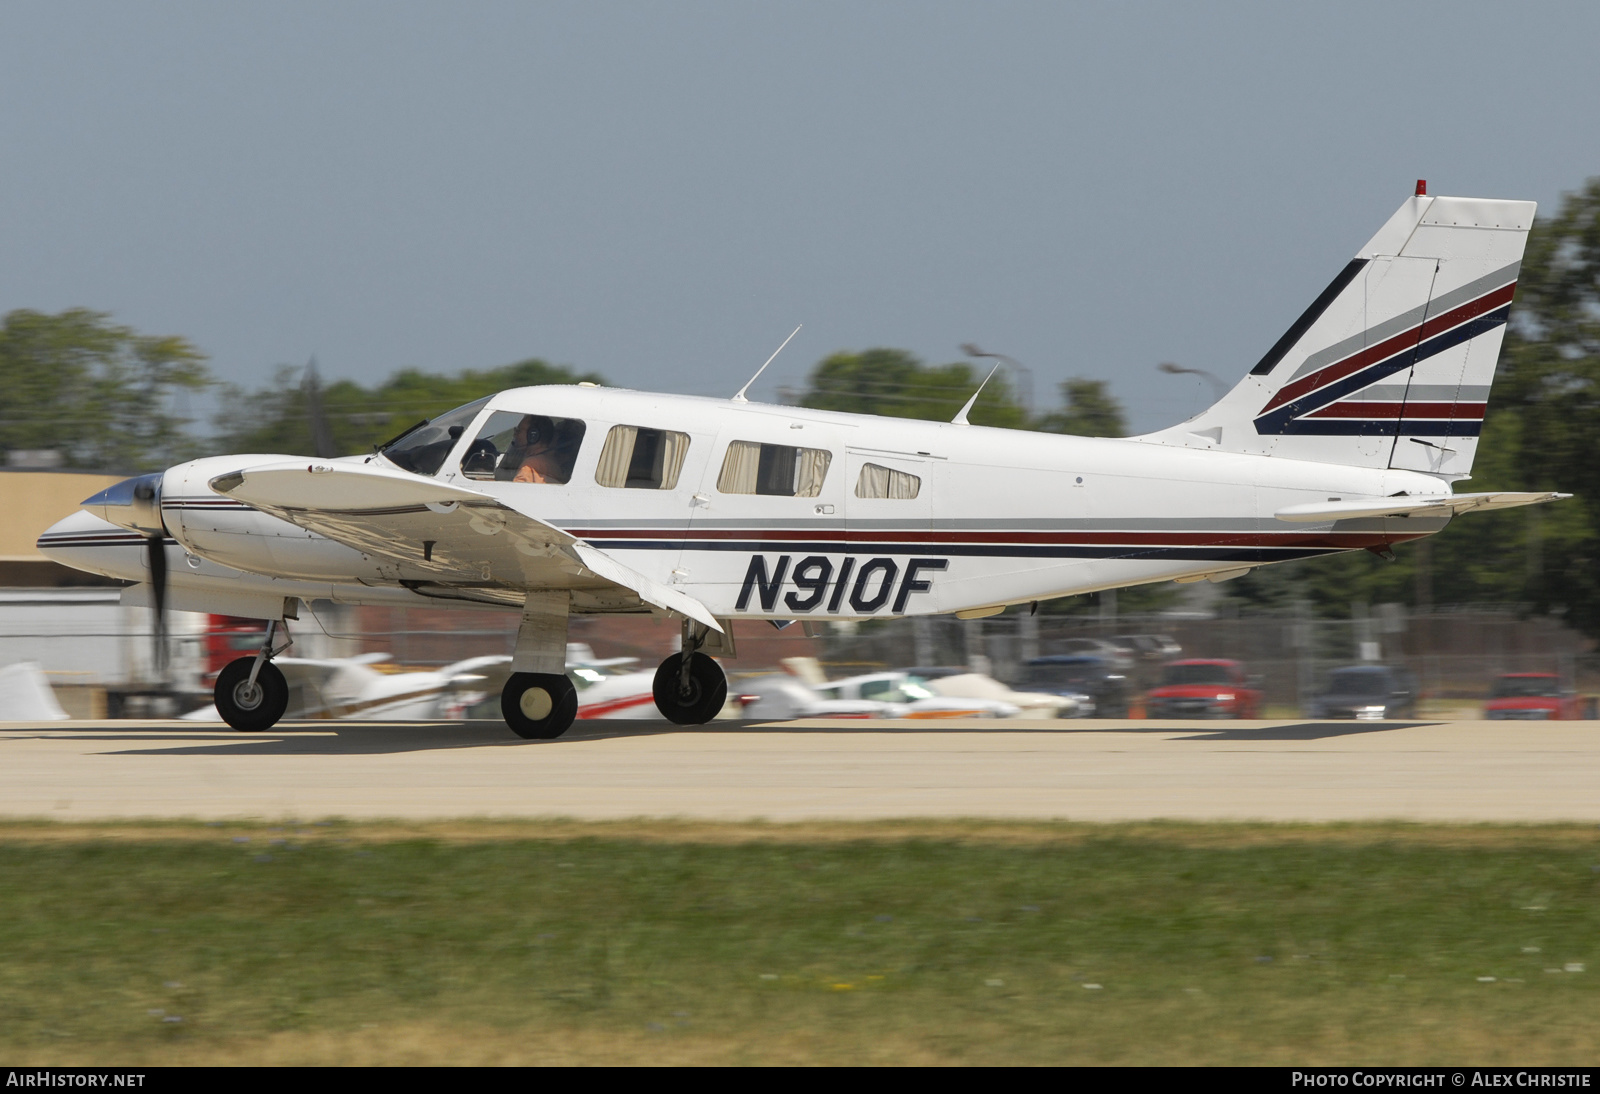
<point x="700" y="702"/>
<point x="251" y="707"/>
<point x="539" y="705"/>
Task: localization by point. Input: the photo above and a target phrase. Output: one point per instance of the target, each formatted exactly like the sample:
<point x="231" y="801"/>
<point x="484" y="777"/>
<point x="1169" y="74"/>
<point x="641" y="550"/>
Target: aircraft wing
<point x="1438" y="505"/>
<point x="438" y="533"/>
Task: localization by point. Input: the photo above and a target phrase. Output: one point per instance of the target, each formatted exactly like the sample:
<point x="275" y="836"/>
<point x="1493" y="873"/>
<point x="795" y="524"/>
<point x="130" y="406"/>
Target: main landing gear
<point x="689" y="687"/>
<point x="251" y="693"/>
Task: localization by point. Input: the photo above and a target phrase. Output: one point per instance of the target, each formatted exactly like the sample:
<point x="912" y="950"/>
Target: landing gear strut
<point x="539" y="705"/>
<point x="689" y="687"/>
<point x="251" y="693"/>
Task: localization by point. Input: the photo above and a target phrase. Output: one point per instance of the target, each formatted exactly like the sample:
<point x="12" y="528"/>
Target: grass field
<point x="933" y="942"/>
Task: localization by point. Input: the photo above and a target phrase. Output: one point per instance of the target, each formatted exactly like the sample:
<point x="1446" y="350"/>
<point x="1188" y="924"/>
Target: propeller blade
<point x="157" y="555"/>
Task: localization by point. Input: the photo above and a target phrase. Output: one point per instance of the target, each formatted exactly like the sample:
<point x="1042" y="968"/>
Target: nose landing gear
<point x="539" y="705"/>
<point x="251" y="693"/>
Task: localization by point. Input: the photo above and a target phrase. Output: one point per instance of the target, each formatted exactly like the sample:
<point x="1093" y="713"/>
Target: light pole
<point x="1024" y="387"/>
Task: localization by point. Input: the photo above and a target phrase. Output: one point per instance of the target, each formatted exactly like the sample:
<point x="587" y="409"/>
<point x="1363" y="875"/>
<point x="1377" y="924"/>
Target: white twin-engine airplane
<point x="1347" y="435"/>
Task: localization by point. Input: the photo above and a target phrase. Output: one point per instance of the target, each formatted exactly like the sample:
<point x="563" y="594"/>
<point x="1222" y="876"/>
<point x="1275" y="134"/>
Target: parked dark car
<point x="1367" y="692"/>
<point x="1100" y="679"/>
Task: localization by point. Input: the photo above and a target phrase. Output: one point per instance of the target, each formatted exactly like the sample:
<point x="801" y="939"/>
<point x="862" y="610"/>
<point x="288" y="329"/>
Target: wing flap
<point x="651" y="592"/>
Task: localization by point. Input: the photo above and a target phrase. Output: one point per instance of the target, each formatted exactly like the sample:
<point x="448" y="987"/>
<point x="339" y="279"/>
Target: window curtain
<point x="885" y="482"/>
<point x="671" y="452"/>
<point x="616" y="455"/>
<point x="811" y="469"/>
<point x="739" y="468"/>
<point x="902" y="485"/>
<point x="874" y="481"/>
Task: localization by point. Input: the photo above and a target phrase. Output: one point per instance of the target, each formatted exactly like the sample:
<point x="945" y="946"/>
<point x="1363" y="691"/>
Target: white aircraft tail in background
<point x="1390" y="367"/>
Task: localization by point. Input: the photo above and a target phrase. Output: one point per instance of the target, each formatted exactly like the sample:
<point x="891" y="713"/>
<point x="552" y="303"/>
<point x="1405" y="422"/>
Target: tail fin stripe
<point x="1444" y="302"/>
<point x="1289" y="419"/>
<point x="1392" y="427"/>
<point x="1394" y="410"/>
<point x="1309" y="316"/>
<point x="1428" y="393"/>
<point x="1397" y="344"/>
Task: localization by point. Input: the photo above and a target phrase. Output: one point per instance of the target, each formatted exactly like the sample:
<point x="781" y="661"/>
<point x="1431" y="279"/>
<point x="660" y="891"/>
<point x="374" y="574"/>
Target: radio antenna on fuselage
<point x="739" y="398"/>
<point x="961" y="418"/>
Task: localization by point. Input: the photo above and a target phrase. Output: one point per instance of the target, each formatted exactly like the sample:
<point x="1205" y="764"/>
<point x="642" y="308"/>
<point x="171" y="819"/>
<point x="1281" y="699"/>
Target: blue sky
<point x="660" y="192"/>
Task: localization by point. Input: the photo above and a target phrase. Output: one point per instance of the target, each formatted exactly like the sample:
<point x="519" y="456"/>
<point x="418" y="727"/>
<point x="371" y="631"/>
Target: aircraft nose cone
<point x="132" y="503"/>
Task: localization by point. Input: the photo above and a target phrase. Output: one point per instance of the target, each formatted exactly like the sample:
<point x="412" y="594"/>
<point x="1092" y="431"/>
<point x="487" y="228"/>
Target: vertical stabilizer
<point x="1391" y="365"/>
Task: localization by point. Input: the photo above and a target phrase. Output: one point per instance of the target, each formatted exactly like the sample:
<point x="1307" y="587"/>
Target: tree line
<point x="104" y="396"/>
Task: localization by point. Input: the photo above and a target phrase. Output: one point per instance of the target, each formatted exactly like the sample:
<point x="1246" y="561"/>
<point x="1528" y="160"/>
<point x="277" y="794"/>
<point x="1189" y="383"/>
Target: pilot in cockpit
<point x="533" y="451"/>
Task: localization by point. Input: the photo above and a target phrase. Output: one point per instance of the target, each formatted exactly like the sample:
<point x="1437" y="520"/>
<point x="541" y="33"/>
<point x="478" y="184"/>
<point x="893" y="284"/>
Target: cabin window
<point x="534" y="448"/>
<point x="422" y="448"/>
<point x="886" y="482"/>
<point x="641" y="459"/>
<point x="776" y="469"/>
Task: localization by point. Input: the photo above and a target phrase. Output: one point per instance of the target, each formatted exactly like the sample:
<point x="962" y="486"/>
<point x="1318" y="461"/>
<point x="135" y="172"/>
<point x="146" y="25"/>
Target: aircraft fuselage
<point x="971" y="517"/>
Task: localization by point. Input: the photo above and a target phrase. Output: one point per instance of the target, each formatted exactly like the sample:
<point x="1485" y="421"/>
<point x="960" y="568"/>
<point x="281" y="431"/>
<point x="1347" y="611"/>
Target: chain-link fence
<point x="1453" y="654"/>
<point x="85" y="641"/>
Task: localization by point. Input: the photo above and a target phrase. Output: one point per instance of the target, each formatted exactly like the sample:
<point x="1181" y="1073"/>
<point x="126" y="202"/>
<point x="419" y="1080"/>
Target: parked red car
<point x="1531" y="696"/>
<point x="1201" y="688"/>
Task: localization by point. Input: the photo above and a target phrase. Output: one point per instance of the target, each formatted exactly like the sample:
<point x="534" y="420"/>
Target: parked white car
<point x="916" y="696"/>
<point x="1122" y="657"/>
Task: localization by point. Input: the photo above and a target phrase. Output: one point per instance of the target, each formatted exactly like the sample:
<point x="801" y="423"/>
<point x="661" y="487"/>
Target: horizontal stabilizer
<point x="1439" y="505"/>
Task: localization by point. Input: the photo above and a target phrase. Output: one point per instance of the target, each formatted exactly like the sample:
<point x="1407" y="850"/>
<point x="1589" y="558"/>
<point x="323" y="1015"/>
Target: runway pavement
<point x="1079" y="770"/>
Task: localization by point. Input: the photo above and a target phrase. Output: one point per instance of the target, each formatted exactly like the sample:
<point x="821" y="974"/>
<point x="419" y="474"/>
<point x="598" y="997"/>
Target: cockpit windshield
<point x="422" y="449"/>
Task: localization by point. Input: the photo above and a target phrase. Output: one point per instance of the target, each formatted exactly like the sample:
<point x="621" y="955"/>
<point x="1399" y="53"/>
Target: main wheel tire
<point x="247" y="707"/>
<point x="708" y="690"/>
<point x="540" y="706"/>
